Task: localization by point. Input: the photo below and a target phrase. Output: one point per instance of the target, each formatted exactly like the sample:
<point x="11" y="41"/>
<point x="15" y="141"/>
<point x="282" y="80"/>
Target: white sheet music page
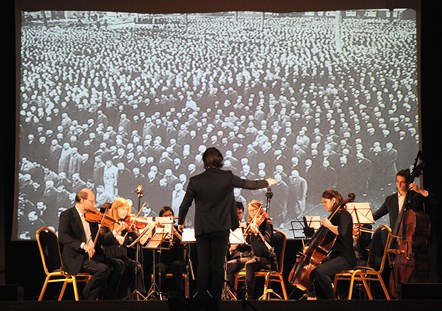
<point x="188" y="235"/>
<point x="360" y="212"/>
<point x="236" y="236"/>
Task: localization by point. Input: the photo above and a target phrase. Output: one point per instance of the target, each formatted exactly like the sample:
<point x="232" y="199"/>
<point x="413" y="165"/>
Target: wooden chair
<point x="372" y="272"/>
<point x="279" y="242"/>
<point x="50" y="254"/>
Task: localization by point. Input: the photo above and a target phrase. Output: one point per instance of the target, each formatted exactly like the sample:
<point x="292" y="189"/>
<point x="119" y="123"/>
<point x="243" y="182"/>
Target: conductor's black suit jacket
<point x="215" y="208"/>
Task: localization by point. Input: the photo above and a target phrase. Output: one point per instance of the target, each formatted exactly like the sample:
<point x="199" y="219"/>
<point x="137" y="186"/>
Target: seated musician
<point x="239" y="250"/>
<point x="172" y="260"/>
<point x="409" y="196"/>
<point x="259" y="232"/>
<point x="394" y="203"/>
<point x="342" y="255"/>
<point x="116" y="252"/>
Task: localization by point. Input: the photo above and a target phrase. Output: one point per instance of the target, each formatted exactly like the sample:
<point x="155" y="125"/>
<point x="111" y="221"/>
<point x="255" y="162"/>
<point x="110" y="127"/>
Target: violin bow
<point x="99" y="228"/>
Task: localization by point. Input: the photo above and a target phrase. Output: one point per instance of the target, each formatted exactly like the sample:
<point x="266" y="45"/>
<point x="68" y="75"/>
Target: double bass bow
<point x="410" y="263"/>
<point x="314" y="252"/>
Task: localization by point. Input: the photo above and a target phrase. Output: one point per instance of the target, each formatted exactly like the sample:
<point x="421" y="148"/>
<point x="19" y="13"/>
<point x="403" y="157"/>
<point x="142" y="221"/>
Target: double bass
<point x="314" y="252"/>
<point x="410" y="250"/>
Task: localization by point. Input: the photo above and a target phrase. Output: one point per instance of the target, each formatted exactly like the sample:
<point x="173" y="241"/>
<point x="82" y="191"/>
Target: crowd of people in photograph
<point x="118" y="106"/>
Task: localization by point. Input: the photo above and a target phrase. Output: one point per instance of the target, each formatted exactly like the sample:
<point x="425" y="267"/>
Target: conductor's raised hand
<point x="271" y="181"/>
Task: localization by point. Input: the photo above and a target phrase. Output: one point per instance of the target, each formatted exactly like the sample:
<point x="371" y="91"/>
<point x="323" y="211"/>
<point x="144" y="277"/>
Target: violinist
<point x="342" y="255"/>
<point x="123" y="232"/>
<point x="259" y="232"/>
<point x="80" y="253"/>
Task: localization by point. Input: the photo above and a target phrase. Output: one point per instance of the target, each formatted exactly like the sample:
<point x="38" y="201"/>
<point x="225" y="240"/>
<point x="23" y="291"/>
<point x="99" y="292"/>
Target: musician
<point x="341" y="255"/>
<point x="172" y="259"/>
<point x="394" y="203"/>
<point x="259" y="232"/>
<point x="239" y="250"/>
<point x="124" y="232"/>
<point x="418" y="199"/>
<point x="80" y="254"/>
<point x="212" y="191"/>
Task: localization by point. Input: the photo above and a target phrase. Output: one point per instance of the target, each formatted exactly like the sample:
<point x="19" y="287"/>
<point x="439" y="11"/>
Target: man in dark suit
<point x="215" y="215"/>
<point x="394" y="203"/>
<point x="408" y="196"/>
<point x="79" y="252"/>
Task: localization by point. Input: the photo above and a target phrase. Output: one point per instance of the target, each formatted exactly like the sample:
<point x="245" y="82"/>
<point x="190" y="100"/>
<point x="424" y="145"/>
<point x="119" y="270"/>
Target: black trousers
<point x="212" y="249"/>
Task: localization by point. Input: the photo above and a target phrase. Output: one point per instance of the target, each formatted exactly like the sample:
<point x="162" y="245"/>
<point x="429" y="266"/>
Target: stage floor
<point x="239" y="305"/>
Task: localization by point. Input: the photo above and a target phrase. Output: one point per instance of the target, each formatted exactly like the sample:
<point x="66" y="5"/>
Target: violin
<point x="257" y="220"/>
<point x="96" y="216"/>
<point x="134" y="222"/>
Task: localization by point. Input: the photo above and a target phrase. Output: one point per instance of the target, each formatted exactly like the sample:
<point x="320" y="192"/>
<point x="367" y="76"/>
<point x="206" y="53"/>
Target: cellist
<point x="342" y="255"/>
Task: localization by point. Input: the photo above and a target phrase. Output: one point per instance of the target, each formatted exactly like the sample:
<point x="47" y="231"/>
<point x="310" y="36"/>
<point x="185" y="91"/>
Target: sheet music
<point x="313" y="222"/>
<point x="360" y="212"/>
<point x="157" y="230"/>
<point x="145" y="234"/>
<point x="188" y="235"/>
<point x="236" y="236"/>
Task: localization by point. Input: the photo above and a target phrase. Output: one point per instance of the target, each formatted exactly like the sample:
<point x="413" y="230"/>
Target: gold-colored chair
<point x="372" y="271"/>
<point x="279" y="242"/>
<point x="50" y="254"/>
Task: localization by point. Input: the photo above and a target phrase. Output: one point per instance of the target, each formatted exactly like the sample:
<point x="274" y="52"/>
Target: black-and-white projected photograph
<point x="124" y="103"/>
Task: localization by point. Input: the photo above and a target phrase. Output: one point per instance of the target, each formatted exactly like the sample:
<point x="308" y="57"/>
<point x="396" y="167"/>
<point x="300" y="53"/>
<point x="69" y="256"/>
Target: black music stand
<point x="361" y="215"/>
<point x="299" y="226"/>
<point x="136" y="293"/>
<point x="236" y="237"/>
<point x="187" y="238"/>
<point x="159" y="233"/>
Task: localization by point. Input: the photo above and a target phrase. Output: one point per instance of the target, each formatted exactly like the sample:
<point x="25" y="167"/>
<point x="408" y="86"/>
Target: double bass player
<point x="409" y="197"/>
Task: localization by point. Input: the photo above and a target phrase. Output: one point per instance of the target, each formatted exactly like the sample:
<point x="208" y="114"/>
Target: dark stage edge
<point x="241" y="305"/>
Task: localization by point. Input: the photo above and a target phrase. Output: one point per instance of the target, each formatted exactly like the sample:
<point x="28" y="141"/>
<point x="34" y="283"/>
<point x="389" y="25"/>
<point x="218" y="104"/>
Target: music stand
<point x="235" y="237"/>
<point x="187" y="238"/>
<point x="298" y="226"/>
<point x="136" y="292"/>
<point x="360" y="213"/>
<point x="161" y="231"/>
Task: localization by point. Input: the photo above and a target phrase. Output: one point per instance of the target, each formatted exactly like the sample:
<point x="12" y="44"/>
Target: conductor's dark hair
<point x="212" y="158"/>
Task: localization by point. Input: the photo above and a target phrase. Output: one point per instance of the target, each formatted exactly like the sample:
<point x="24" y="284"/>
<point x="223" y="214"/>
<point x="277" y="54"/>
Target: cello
<point x="314" y="252"/>
<point x="412" y="232"/>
